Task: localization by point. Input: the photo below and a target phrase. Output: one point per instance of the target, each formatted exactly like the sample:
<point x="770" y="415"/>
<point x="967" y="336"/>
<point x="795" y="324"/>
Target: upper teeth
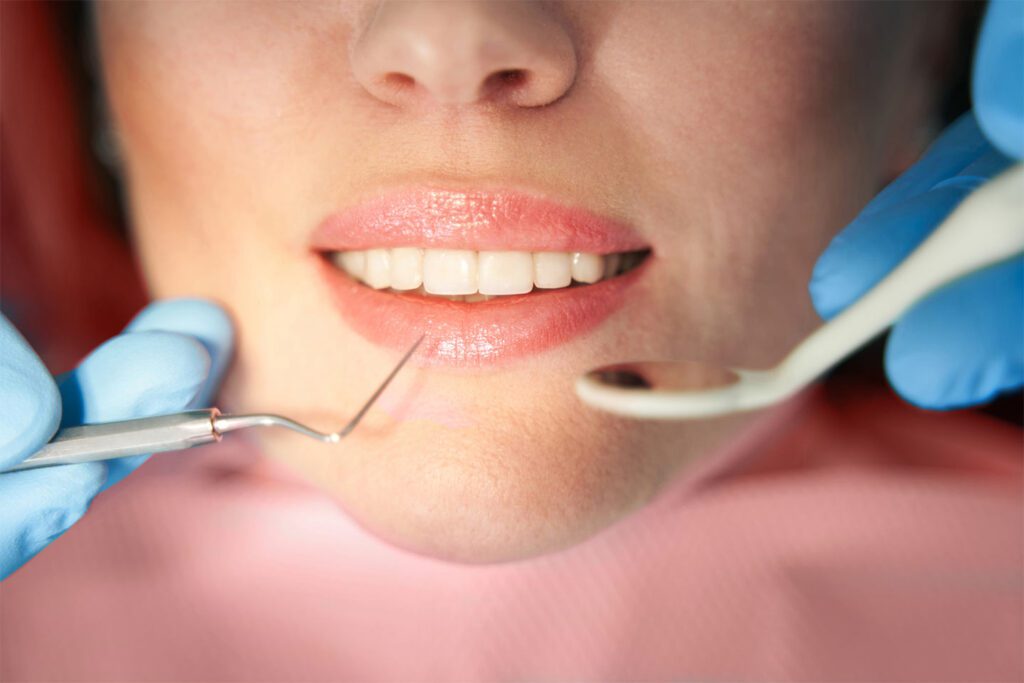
<point x="455" y="272"/>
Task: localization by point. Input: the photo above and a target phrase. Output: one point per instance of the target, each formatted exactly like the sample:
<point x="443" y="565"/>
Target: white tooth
<point x="449" y="271"/>
<point x="552" y="270"/>
<point x="378" y="268"/>
<point x="406" y="268"/>
<point x="587" y="268"/>
<point x="352" y="262"/>
<point x="611" y="265"/>
<point x="506" y="272"/>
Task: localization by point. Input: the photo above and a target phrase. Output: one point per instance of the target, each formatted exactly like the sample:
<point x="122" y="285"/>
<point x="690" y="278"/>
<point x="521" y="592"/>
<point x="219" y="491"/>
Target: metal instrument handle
<point x="89" y="443"/>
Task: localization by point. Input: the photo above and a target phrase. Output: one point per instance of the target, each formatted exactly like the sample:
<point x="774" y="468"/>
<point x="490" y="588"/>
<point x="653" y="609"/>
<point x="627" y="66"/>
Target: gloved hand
<point x="964" y="344"/>
<point x="171" y="357"/>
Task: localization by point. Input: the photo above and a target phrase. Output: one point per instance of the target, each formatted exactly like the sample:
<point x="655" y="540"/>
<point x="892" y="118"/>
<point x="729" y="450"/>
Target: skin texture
<point x="737" y="138"/>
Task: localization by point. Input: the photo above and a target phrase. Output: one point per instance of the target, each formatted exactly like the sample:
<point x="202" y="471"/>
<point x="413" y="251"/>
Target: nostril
<point x="397" y="85"/>
<point x="511" y="77"/>
<point x="504" y="81"/>
<point x="398" y="81"/>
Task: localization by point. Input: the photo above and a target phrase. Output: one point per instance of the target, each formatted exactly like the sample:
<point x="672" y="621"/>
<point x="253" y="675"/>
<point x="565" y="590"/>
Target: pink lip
<point x="474" y="334"/>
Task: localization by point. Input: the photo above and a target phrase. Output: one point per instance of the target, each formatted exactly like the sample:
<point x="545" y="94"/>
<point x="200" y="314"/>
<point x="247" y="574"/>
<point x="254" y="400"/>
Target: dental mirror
<point x="986" y="228"/>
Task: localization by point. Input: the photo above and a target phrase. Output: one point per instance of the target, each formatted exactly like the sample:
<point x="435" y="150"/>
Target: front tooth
<point x="449" y="271"/>
<point x="406" y="268"/>
<point x="552" y="270"/>
<point x="506" y="272"/>
<point x="378" y="268"/>
<point x="352" y="262"/>
<point x="587" y="268"/>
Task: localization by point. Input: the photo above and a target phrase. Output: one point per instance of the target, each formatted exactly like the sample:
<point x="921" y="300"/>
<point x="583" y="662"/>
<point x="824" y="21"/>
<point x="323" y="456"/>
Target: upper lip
<point x="481" y="220"/>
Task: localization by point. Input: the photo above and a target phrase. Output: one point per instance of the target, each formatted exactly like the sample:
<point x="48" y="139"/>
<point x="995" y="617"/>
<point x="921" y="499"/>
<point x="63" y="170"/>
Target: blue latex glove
<point x="171" y="357"/>
<point x="964" y="344"/>
<point x="997" y="87"/>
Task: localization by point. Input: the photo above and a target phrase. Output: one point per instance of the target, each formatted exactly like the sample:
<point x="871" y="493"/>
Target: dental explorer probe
<point x="177" y="431"/>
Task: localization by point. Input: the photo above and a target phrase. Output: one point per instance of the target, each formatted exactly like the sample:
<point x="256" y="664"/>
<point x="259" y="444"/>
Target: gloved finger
<point x="30" y="403"/>
<point x="964" y="344"/>
<point x="198" y="318"/>
<point x="997" y="86"/>
<point x="876" y="242"/>
<point x="200" y="322"/>
<point x="39" y="505"/>
<point x="133" y="375"/>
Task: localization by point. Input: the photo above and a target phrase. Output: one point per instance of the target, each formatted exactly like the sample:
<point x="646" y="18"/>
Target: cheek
<point x="209" y="100"/>
<point x="212" y="95"/>
<point x="730" y="82"/>
<point x="762" y="122"/>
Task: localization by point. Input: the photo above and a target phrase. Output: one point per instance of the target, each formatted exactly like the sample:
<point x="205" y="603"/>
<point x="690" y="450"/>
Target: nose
<point x="459" y="52"/>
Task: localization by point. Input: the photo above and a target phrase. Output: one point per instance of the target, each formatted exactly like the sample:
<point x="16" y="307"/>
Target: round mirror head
<point x="664" y="376"/>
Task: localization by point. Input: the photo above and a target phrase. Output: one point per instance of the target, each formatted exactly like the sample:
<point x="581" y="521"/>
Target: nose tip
<point x="459" y="52"/>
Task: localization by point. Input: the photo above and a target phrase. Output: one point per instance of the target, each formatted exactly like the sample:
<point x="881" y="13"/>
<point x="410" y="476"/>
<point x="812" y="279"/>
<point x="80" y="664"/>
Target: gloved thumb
<point x="170" y="358"/>
<point x="202" y="320"/>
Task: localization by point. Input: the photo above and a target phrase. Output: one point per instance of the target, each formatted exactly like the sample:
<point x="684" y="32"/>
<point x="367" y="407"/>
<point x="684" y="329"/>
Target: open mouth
<point x="485" y="276"/>
<point x="473" y="277"/>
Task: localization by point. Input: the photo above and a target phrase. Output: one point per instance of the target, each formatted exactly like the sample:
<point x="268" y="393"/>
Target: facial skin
<point x="736" y="138"/>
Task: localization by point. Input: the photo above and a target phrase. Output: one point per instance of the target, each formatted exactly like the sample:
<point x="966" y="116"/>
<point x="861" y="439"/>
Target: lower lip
<point x="480" y="334"/>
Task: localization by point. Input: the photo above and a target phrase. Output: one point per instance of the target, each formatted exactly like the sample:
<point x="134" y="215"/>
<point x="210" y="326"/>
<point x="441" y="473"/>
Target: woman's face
<point x="731" y="140"/>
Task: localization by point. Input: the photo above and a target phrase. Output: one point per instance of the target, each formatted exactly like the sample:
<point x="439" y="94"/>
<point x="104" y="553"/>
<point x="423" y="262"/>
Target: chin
<point x="466" y="502"/>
